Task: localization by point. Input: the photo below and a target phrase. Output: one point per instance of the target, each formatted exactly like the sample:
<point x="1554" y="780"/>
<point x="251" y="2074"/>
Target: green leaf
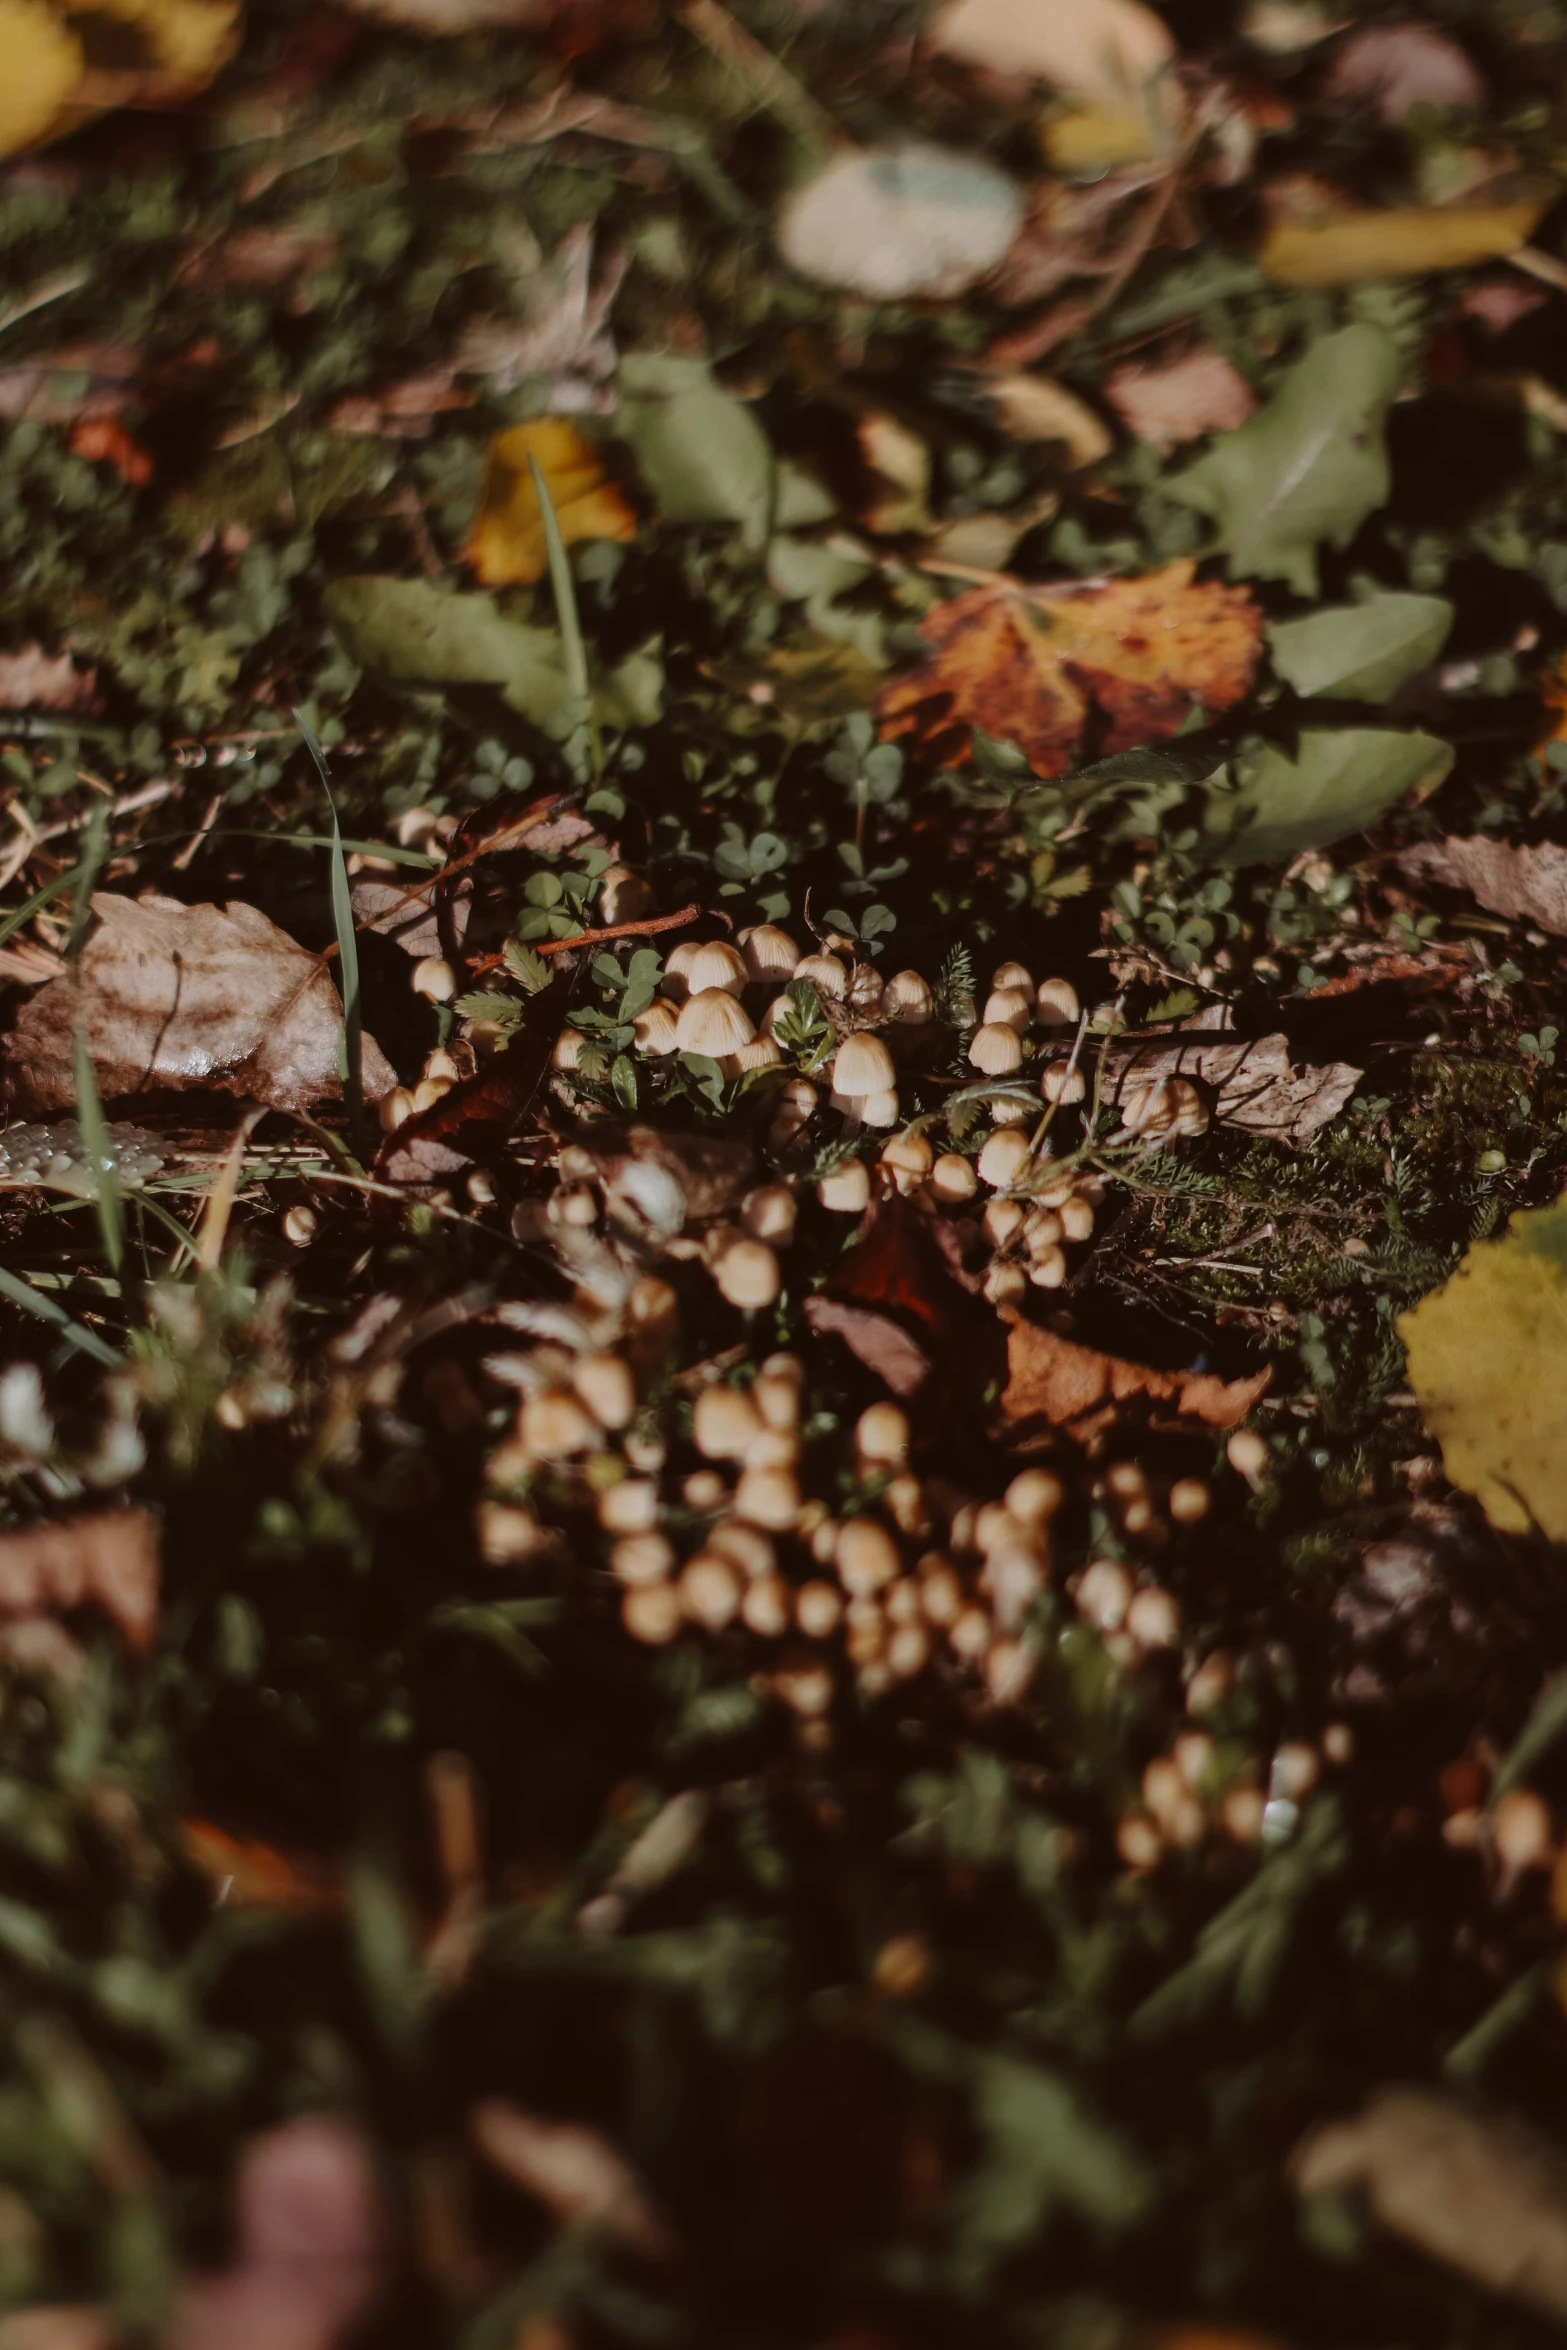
<point x="574" y="651"/>
<point x="1338" y="781"/>
<point x="702" y="455"/>
<point x="1488" y="1361"/>
<point x="530" y="970"/>
<point x="347" y="955"/>
<point x="1361" y="652"/>
<point x="1310" y="466"/>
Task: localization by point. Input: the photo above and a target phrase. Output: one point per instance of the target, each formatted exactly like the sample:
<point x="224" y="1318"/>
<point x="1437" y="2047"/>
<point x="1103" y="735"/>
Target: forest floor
<point x="783" y="1372"/>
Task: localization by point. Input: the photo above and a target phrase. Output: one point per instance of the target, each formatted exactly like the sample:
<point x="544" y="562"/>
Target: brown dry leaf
<point x="31" y="679"/>
<point x="1349" y="247"/>
<point x="1393" y="68"/>
<point x="880" y="1343"/>
<point x="1526" y="884"/>
<point x="1077" y="1388"/>
<point x="188" y="998"/>
<point x="108" y="1561"/>
<point x="59" y="2325"/>
<point x="1252" y="1081"/>
<point x="1182" y="400"/>
<point x="247" y="1874"/>
<point x="1482" y="2193"/>
<point x="577" y="2174"/>
<point x="1083" y="671"/>
<point x="506" y="545"/>
<point x="311" y="2246"/>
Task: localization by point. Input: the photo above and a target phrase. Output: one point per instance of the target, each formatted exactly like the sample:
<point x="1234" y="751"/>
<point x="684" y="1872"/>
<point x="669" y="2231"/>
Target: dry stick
<point x="186" y="857"/>
<point x="646" y="928"/>
<point x="1534" y="263"/>
<point x="220" y="1196"/>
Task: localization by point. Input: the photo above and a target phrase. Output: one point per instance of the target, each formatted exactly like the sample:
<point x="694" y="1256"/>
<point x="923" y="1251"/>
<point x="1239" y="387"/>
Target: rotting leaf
<point x="1528" y="884"/>
<point x="1056" y="1382"/>
<point x="1309" y="467"/>
<point x="1488" y="1362"/>
<point x="188" y="998"/>
<point x="506" y="546"/>
<point x="1126" y="663"/>
<point x="1254" y="1081"/>
<point x="1177" y="400"/>
<point x="1483" y="2193"/>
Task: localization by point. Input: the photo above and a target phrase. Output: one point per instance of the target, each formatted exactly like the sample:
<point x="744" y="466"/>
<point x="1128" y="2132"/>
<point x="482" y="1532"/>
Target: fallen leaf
<point x="1488" y="1363"/>
<point x="1337" y="781"/>
<point x="1361" y="652"/>
<point x="416" y="633"/>
<point x="1253" y="1081"/>
<point x="1102" y="138"/>
<point x="1181" y="400"/>
<point x="101" y="440"/>
<point x="43" y="65"/>
<point x="1347" y="248"/>
<point x="577" y="2174"/>
<point x="701" y="453"/>
<point x="1393" y="68"/>
<point x="1080" y="1390"/>
<point x="1526" y="884"/>
<point x="1309" y="466"/>
<point x="881" y="1344"/>
<point x="31" y="679"/>
<point x="187" y="998"/>
<point x="108" y="1561"/>
<point x="1484" y="2194"/>
<point x="1036" y="408"/>
<point x="1084" y="671"/>
<point x="562" y="333"/>
<point x="890" y="222"/>
<point x="1106" y="50"/>
<point x="58" y="2325"/>
<point x="311" y="2246"/>
<point x="244" y="1873"/>
<point x="506" y="545"/>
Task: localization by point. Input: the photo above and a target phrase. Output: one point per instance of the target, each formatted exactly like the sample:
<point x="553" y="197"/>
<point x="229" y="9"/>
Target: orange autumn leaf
<point x="1077" y="673"/>
<point x="247" y="1874"/>
<point x="1063" y="1385"/>
<point x="506" y="544"/>
<point x="103" y="442"/>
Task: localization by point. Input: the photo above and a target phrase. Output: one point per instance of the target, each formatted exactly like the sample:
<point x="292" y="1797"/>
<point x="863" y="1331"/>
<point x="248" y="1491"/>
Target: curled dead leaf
<point x="1484" y="2194"/>
<point x="188" y="998"/>
<point x="1092" y="670"/>
<point x="1063" y="1385"/>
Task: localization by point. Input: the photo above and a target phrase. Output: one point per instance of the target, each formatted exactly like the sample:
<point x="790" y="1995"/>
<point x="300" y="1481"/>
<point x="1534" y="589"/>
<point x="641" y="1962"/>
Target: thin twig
<point x="646" y="928"/>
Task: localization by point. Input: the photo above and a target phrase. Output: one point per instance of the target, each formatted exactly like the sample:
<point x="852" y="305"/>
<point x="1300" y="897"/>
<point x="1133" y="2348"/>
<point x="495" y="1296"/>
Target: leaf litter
<point x="848" y="1630"/>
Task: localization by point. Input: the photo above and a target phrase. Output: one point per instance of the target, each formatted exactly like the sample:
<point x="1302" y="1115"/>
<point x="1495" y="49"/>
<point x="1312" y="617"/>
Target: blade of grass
<point x="107" y="1196"/>
<point x="32" y="1301"/>
<point x="95" y="844"/>
<point x="35" y="904"/>
<point x="574" y="650"/>
<point x="347" y="952"/>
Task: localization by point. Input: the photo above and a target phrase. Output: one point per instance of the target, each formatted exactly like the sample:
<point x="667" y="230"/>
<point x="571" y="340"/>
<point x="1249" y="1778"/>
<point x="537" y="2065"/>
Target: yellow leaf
<point x="506" y="544"/>
<point x="1099" y="138"/>
<point x="43" y="64"/>
<point x="1037" y="408"/>
<point x="1488" y="1362"/>
<point x="1347" y="248"/>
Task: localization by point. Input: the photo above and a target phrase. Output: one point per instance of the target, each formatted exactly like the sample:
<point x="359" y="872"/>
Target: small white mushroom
<point x="712" y="1022"/>
<point x="995" y="1049"/>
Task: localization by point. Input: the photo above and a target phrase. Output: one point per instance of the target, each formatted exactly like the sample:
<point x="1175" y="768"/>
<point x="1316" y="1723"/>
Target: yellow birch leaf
<point x="1488" y="1362"/>
<point x="1099" y="138"/>
<point x="43" y="64"/>
<point x="1348" y="248"/>
<point x="506" y="543"/>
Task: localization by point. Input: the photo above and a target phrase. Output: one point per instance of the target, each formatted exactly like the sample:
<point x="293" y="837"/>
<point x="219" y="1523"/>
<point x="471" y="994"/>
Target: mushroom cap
<point x="712" y="1022"/>
<point x="1013" y="1005"/>
<point x="770" y="953"/>
<point x="996" y="1049"/>
<point x="716" y="964"/>
<point x="677" y="964"/>
<point x="1013" y="975"/>
<point x="1005" y="1155"/>
<point x="1055" y="1003"/>
<point x="879" y="1109"/>
<point x="825" y="973"/>
<point x="862" y="1065"/>
<point x="907" y="995"/>
<point x="654" y="1029"/>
